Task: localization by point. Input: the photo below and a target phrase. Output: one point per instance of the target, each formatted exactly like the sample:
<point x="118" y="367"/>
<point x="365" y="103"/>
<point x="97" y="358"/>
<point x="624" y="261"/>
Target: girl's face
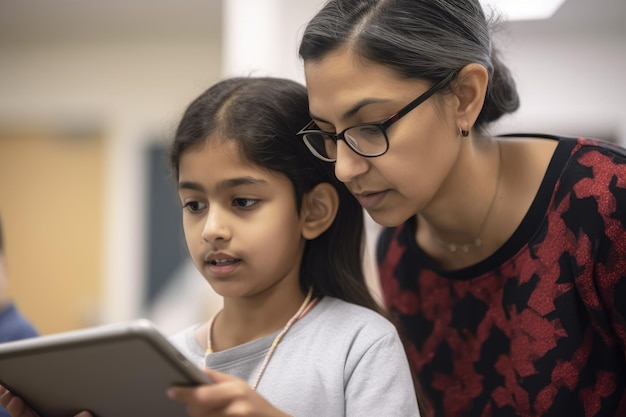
<point x="240" y="221"/>
<point x="345" y="90"/>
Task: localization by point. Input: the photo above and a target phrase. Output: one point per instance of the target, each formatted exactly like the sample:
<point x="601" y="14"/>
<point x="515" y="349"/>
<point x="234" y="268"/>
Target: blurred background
<point x="90" y="92"/>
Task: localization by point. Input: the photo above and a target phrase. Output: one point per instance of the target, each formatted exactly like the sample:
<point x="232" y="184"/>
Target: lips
<point x="223" y="269"/>
<point x="370" y="200"/>
<point x="220" y="258"/>
<point x="222" y="262"/>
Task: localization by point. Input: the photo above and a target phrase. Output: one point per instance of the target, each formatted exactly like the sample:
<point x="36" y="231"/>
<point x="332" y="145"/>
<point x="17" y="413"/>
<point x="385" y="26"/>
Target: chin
<point x="388" y="218"/>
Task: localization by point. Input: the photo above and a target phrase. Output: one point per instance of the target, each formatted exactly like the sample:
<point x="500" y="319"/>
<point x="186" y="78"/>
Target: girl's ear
<point x="319" y="208"/>
<point x="470" y="88"/>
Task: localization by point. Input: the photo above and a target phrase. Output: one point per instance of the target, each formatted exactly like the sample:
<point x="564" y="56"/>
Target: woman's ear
<point x="470" y="88"/>
<point x="319" y="208"/>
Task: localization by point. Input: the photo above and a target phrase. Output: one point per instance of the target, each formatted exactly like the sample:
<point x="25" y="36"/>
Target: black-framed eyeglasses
<point x="366" y="139"/>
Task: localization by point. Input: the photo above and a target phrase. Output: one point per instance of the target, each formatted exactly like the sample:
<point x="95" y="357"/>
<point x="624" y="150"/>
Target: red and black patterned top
<point x="538" y="328"/>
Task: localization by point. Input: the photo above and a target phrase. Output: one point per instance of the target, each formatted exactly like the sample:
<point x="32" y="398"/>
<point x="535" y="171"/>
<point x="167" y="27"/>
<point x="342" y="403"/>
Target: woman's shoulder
<point x="571" y="159"/>
<point x="613" y="152"/>
<point x="595" y="164"/>
<point x="568" y="144"/>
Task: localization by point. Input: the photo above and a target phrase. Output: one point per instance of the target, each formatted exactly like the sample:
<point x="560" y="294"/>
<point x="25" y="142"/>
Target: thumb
<point x="217" y="376"/>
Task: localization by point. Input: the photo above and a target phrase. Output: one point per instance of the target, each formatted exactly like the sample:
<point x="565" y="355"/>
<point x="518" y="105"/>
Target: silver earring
<point x="464" y="133"/>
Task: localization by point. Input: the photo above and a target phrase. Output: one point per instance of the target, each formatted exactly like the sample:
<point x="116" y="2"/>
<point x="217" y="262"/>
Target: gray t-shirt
<point x="338" y="360"/>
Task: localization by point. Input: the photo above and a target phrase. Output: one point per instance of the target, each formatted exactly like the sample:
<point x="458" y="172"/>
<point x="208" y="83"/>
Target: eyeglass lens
<point x="366" y="140"/>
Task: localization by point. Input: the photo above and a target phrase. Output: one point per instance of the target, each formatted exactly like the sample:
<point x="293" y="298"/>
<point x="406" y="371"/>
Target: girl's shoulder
<point x="344" y="315"/>
<point x="185" y="341"/>
<point x="348" y="330"/>
<point x="334" y="304"/>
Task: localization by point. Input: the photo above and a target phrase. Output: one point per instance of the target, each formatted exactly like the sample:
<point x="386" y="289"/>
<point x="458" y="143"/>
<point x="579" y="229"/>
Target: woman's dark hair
<point x="426" y="39"/>
<point x="262" y="115"/>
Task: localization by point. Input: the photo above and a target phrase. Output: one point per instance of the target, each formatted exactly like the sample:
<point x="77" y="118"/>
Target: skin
<point x="429" y="171"/>
<point x="246" y="217"/>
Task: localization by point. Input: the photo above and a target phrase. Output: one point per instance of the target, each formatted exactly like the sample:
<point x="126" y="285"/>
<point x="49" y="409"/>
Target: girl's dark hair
<point x="262" y="115"/>
<point x="426" y="39"/>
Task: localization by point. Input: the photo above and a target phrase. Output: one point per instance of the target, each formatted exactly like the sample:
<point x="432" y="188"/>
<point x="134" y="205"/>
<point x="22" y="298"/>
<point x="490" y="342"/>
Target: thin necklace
<point x="477" y="242"/>
<point x="305" y="307"/>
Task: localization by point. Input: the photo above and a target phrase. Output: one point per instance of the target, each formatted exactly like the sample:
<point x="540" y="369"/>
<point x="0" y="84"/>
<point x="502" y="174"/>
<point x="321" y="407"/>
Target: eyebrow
<point x="354" y="109"/>
<point x="228" y="183"/>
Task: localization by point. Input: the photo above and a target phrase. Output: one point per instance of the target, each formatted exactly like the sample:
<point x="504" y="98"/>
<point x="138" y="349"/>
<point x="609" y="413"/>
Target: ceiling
<point x="65" y="20"/>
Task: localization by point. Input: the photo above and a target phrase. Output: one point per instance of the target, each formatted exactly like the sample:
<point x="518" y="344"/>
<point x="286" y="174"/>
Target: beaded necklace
<point x="305" y="307"/>
<point x="477" y="242"/>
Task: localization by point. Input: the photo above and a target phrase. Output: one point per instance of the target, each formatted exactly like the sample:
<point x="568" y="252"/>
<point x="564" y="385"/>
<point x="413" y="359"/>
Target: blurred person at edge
<point x="503" y="258"/>
<point x="13" y="325"/>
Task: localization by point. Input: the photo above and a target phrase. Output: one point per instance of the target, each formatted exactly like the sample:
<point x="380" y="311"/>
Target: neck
<point x="455" y="229"/>
<point x="244" y="320"/>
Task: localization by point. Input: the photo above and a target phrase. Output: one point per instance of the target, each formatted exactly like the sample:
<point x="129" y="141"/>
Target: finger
<point x="4" y="396"/>
<point x="217" y="376"/>
<point x="8" y="401"/>
<point x="196" y="405"/>
<point x="17" y="408"/>
<point x="189" y="394"/>
<point x="213" y="396"/>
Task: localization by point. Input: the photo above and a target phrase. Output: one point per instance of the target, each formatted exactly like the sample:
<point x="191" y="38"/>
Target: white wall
<point x="569" y="82"/>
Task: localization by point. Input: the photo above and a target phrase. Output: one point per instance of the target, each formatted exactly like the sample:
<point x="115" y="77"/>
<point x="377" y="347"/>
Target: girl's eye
<point x="194" y="206"/>
<point x="244" y="202"/>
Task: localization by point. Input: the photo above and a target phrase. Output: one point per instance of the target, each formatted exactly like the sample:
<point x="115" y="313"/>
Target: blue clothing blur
<point x="14" y="326"/>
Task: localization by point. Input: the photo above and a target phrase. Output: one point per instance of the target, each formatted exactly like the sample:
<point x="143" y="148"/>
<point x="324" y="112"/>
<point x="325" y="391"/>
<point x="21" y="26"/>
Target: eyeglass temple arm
<point x="432" y="90"/>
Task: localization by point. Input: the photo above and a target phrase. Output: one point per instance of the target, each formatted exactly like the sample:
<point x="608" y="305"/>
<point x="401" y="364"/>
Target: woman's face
<point x="345" y="90"/>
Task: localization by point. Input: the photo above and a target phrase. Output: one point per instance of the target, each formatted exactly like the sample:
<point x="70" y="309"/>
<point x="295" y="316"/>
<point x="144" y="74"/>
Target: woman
<point x="503" y="258"/>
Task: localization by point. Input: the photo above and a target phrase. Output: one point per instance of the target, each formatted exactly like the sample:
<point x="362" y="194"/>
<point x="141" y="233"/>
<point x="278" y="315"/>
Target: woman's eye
<point x="244" y="202"/>
<point x="194" y="206"/>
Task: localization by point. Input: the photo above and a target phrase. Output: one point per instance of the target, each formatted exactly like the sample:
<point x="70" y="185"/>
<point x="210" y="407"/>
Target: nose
<point x="216" y="227"/>
<point x="349" y="164"/>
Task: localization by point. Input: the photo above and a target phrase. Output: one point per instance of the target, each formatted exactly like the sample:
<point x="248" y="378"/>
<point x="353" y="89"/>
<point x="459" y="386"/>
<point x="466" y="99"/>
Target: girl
<point x="279" y="238"/>
<point x="503" y="259"/>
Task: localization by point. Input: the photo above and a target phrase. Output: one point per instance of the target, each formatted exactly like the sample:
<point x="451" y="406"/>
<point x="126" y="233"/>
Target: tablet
<point x="118" y="370"/>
